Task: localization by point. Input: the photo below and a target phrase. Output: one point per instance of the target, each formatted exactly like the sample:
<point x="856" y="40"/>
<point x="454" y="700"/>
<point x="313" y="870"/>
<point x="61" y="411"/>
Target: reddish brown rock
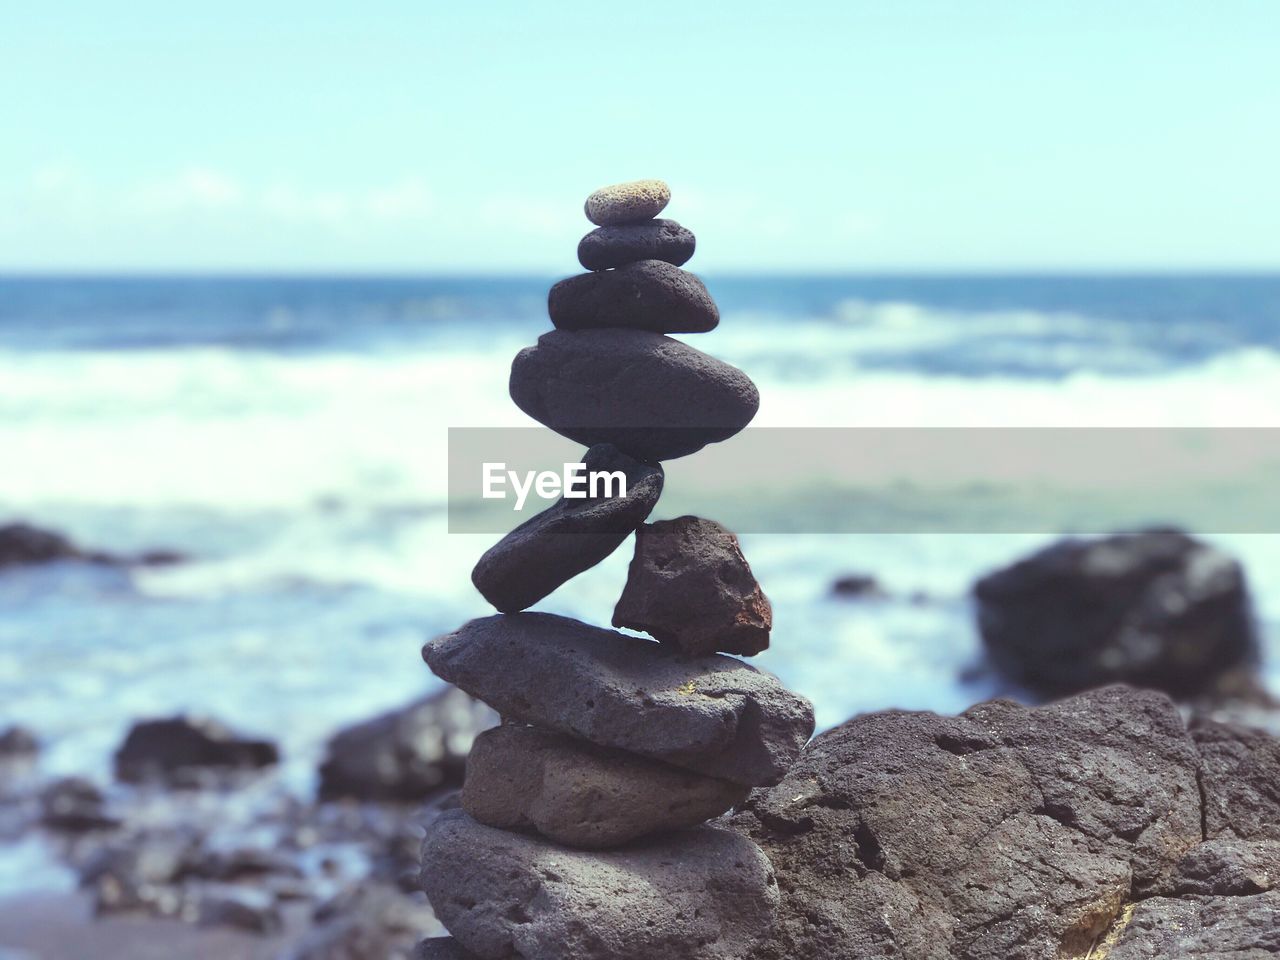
<point x="690" y="586"/>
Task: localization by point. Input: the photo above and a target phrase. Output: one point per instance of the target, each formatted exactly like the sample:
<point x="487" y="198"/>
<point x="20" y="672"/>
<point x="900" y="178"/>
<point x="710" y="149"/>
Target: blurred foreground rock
<point x="1158" y="609"/>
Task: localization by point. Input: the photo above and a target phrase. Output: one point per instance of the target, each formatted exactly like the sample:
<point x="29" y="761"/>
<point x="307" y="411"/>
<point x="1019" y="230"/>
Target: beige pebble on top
<point x="627" y="202"/>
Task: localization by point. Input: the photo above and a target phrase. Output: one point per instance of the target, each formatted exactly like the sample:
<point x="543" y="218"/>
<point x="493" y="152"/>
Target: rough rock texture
<point x="551" y="548"/>
<point x="627" y="202"/>
<point x="690" y="586"/>
<point x="653" y="397"/>
<point x="405" y="755"/>
<point x="1241" y="781"/>
<point x="1005" y="832"/>
<point x="369" y="922"/>
<point x="1228" y="867"/>
<point x="1198" y="928"/>
<point x="704" y="894"/>
<point x="714" y="715"/>
<point x="521" y="777"/>
<point x="440" y="948"/>
<point x="178" y="748"/>
<point x="1156" y="609"/>
<point x="648" y="295"/>
<point x="608" y="247"/>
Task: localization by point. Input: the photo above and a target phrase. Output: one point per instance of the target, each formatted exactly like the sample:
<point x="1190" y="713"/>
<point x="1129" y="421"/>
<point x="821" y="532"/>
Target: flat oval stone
<point x="616" y="246"/>
<point x="581" y="795"/>
<point x="714" y="715"/>
<point x="555" y="546"/>
<point x="702" y="894"/>
<point x="627" y="202"/>
<point x="653" y="397"/>
<point x="649" y="295"/>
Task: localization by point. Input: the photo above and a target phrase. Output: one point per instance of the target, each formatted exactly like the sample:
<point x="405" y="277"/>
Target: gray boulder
<point x="181" y="749"/>
<point x="713" y="715"/>
<point x="704" y="894"/>
<point x="580" y="795"/>
<point x="1157" y="609"/>
<point x="551" y="548"/>
<point x="405" y="755"/>
<point x="1005" y="833"/>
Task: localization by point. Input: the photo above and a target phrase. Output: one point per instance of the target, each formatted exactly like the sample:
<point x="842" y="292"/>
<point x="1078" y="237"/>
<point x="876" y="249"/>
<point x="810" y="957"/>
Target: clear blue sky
<point x="423" y="136"/>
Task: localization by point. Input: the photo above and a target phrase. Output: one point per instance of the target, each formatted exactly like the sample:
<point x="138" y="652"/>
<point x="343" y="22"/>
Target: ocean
<point x="290" y="436"/>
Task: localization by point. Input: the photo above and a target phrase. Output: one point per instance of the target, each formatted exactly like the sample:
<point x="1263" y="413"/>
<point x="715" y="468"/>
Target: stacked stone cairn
<point x="582" y="830"/>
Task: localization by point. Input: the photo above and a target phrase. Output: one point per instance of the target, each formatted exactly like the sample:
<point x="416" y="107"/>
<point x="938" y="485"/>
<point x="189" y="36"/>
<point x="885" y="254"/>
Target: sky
<point x="415" y="136"/>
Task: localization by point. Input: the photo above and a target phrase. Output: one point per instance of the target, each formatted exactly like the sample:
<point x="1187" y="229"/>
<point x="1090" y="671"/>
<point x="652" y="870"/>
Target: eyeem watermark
<point x="573" y="483"/>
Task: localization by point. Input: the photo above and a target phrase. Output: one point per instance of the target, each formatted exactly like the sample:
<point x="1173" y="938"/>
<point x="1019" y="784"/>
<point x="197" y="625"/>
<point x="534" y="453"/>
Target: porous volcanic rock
<point x="653" y="397"/>
<point x="405" y="755"/>
<point x="1240" y="777"/>
<point x="1006" y="832"/>
<point x="521" y="777"/>
<point x="180" y="748"/>
<point x="629" y="202"/>
<point x="690" y="586"/>
<point x="1202" y="928"/>
<point x="713" y="715"/>
<point x="1156" y="609"/>
<point x="648" y="295"/>
<point x="1228" y="867"/>
<point x="608" y="247"/>
<point x="702" y="894"/>
<point x="440" y="948"/>
<point x="574" y="535"/>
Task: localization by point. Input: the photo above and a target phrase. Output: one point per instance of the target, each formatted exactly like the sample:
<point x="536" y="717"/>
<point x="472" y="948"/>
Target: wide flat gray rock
<point x="653" y="397"/>
<point x="574" y="535"/>
<point x="575" y="793"/>
<point x="713" y="715"/>
<point x="702" y="894"/>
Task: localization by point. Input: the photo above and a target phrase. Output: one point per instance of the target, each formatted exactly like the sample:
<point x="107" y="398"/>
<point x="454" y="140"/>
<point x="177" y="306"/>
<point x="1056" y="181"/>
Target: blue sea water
<point x="289" y="434"/>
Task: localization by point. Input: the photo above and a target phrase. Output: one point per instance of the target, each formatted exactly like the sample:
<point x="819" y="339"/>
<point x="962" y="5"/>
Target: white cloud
<point x="196" y="188"/>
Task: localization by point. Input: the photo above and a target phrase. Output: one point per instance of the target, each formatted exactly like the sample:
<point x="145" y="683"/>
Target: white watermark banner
<point x="896" y="480"/>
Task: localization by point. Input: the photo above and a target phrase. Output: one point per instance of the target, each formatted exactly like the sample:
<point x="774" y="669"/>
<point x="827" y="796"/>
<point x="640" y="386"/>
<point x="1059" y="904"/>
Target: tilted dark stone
<point x="713" y="715"/>
<point x="653" y="397"/>
<point x="649" y="295"/>
<point x="607" y="247"/>
<point x="702" y="894"/>
<point x="574" y="535"/>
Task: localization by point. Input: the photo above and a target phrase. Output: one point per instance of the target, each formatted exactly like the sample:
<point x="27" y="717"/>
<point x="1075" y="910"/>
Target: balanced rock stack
<point x="582" y="831"/>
